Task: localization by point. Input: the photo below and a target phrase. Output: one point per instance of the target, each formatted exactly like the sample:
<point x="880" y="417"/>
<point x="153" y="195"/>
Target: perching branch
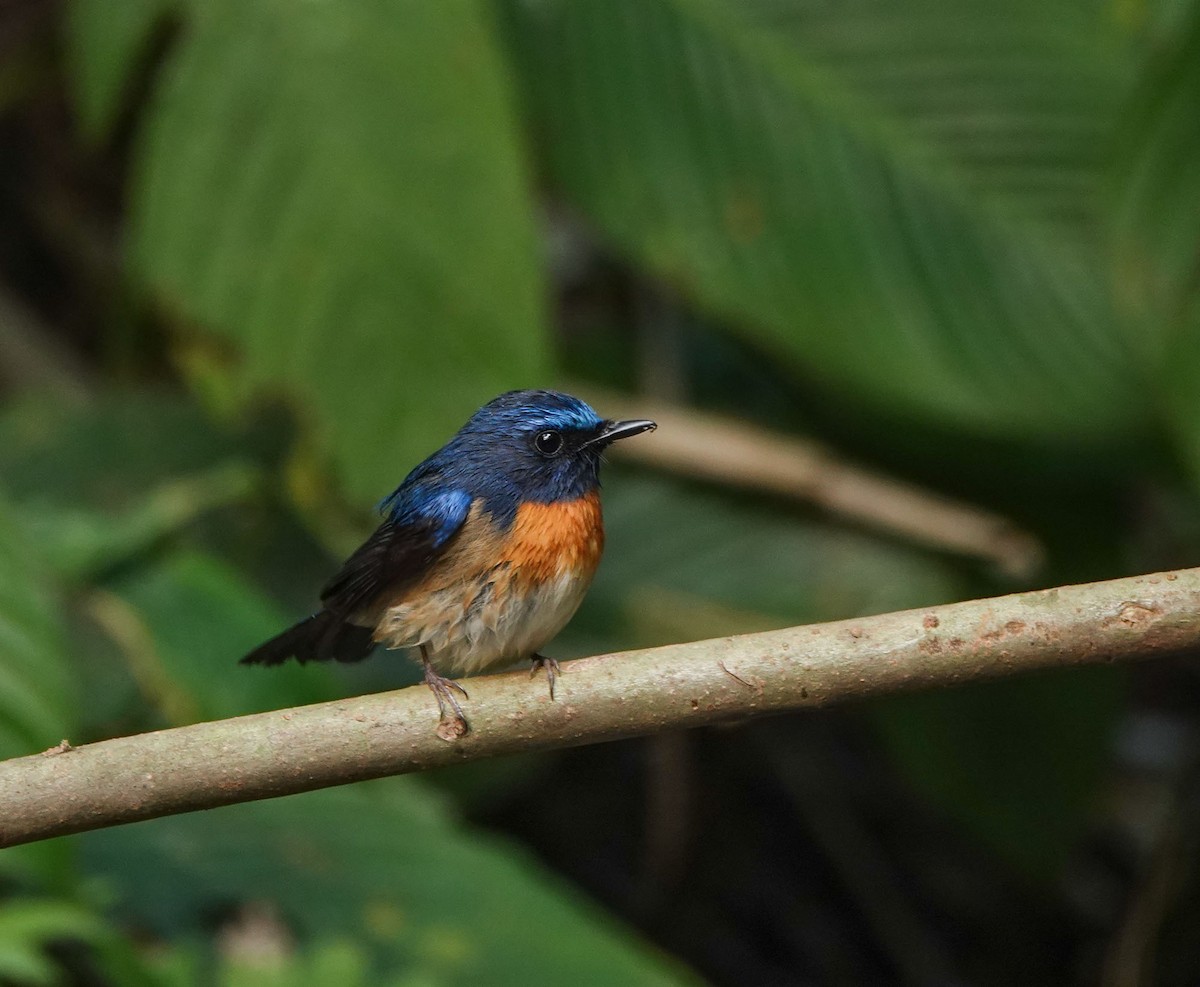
<point x="67" y="790"/>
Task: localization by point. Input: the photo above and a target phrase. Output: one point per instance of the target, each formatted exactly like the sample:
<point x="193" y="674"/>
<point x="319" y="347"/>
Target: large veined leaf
<point x="338" y="190"/>
<point x="381" y="863"/>
<point x="1157" y="232"/>
<point x="1157" y="185"/>
<point x="1019" y="97"/>
<point x="36" y="699"/>
<point x="38" y="696"/>
<point x="105" y="40"/>
<point x="886" y="247"/>
<point x="108" y="454"/>
<point x="97" y="485"/>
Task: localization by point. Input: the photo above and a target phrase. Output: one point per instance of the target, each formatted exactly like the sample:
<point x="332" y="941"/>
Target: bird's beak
<point x="622" y="430"/>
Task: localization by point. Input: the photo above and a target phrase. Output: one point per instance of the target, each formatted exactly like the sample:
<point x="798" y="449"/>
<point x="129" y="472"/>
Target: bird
<point x="483" y="554"/>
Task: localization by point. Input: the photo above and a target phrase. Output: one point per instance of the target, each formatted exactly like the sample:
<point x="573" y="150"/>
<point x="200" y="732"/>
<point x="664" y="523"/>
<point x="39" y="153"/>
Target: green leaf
<point x="38" y="690"/>
<point x="78" y="541"/>
<point x="105" y="41"/>
<point x="1018" y="98"/>
<point x="27" y="927"/>
<point x="99" y="484"/>
<point x="197" y="616"/>
<point x="128" y="962"/>
<point x="380" y="863"/>
<point x="824" y="176"/>
<point x="37" y="704"/>
<point x="1157" y="236"/>
<point x="337" y="189"/>
<point x="108" y="453"/>
<point x="341" y="963"/>
<point x="1158" y="188"/>
<point x="1017" y="762"/>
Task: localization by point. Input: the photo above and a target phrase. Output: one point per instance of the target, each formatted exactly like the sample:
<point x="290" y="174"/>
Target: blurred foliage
<point x="453" y="907"/>
<point x="36" y="699"/>
<point x="764" y="158"/>
<point x="281" y="250"/>
<point x="959" y="747"/>
<point x="26" y="926"/>
<point x="420" y="895"/>
<point x="274" y="203"/>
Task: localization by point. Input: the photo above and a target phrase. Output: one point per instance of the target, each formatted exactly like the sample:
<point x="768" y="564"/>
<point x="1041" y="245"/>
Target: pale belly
<point x="470" y="628"/>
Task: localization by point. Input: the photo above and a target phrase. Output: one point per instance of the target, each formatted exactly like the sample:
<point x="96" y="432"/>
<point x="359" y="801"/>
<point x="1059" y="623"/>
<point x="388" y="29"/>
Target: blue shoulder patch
<point x="445" y="507"/>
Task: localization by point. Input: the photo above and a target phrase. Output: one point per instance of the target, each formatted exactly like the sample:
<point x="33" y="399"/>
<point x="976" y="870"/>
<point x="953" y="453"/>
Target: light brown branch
<point x="66" y="790"/>
<point x="714" y="448"/>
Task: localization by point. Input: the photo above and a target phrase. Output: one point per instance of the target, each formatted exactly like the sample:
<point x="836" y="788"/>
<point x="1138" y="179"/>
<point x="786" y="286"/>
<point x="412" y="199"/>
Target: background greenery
<point x="258" y="257"/>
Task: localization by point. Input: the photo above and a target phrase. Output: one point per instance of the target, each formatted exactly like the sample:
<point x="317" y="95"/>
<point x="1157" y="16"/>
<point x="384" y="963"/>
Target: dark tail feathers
<point x="321" y="637"/>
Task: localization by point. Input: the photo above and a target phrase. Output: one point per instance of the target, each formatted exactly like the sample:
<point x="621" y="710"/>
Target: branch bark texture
<point x="67" y="789"/>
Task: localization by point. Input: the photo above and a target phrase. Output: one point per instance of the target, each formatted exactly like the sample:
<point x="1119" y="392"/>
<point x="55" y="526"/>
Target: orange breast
<point x="549" y="540"/>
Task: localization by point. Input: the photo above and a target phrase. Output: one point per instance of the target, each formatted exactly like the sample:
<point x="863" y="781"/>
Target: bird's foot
<point x="451" y="722"/>
<point x="552" y="670"/>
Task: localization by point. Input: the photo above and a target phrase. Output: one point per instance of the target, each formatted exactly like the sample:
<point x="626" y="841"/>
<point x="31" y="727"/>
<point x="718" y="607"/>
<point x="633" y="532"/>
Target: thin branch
<point x="714" y="448"/>
<point x="70" y="789"/>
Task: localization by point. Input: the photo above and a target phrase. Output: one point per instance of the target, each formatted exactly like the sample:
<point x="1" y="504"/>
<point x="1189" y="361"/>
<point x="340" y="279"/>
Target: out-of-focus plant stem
<point x="738" y="454"/>
<point x="67" y="790"/>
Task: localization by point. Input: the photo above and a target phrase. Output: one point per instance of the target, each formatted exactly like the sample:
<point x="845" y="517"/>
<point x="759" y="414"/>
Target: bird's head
<point x="542" y="446"/>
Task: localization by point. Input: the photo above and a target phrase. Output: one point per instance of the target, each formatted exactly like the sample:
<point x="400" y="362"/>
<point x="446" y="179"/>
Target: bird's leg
<point x="551" y="667"/>
<point x="449" y="727"/>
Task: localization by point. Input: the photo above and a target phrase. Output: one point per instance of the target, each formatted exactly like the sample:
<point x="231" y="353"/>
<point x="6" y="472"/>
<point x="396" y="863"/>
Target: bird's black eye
<point x="548" y="443"/>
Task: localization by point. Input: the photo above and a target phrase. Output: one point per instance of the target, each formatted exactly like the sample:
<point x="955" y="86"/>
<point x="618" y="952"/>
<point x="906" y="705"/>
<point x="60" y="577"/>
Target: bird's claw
<point x="451" y="726"/>
<point x="552" y="670"/>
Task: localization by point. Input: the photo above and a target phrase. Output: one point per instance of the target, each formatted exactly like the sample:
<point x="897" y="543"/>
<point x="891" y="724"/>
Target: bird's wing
<point x="420" y="527"/>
